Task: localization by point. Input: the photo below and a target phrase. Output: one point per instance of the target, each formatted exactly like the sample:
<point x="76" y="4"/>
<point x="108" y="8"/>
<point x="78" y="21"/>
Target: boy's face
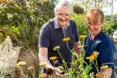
<point x="94" y="27"/>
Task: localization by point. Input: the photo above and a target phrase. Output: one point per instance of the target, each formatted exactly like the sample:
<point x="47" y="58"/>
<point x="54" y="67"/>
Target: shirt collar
<point x="56" y="25"/>
<point x="97" y="36"/>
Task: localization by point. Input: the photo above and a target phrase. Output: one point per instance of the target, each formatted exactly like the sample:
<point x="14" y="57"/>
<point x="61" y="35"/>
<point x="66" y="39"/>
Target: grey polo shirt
<point x="51" y="35"/>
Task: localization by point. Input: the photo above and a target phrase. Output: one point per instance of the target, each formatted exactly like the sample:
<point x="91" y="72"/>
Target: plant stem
<point x="60" y="54"/>
<point x="95" y="66"/>
<point x="68" y="46"/>
<point x="53" y="63"/>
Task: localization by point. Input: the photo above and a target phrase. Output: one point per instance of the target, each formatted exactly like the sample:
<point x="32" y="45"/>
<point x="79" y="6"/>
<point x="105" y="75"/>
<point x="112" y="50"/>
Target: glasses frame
<point x="63" y="14"/>
<point x="94" y="25"/>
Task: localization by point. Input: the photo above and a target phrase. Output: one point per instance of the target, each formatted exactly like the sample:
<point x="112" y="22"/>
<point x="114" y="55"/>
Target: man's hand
<point x="58" y="70"/>
<point x="61" y="75"/>
<point x="51" y="70"/>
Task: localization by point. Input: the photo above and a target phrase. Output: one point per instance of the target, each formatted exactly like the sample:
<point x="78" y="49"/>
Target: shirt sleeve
<point x="44" y="37"/>
<point x="106" y="53"/>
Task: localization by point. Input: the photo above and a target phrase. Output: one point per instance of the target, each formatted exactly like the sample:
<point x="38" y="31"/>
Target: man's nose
<point x="63" y="18"/>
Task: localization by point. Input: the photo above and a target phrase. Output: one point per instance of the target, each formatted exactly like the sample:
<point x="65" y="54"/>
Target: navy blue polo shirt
<point x="51" y="36"/>
<point x="104" y="45"/>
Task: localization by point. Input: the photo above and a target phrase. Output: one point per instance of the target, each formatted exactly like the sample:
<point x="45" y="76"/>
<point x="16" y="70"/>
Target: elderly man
<point x="52" y="34"/>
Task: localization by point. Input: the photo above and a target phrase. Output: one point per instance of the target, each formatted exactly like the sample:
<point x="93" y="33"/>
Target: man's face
<point x="62" y="15"/>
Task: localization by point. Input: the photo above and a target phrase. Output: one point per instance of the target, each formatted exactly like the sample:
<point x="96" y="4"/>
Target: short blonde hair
<point x="94" y="15"/>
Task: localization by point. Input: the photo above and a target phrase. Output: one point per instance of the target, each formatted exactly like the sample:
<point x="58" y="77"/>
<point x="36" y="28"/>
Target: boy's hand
<point x="105" y="73"/>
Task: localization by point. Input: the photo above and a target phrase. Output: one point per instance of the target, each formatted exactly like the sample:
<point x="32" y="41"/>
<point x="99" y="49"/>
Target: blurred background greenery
<point x="22" y="20"/>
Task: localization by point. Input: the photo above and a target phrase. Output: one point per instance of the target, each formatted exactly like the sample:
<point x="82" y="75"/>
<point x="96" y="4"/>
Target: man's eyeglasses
<point x="61" y="14"/>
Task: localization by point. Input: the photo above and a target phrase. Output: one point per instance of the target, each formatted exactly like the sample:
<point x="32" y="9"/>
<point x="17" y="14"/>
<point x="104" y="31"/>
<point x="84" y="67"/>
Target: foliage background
<point x="22" y="20"/>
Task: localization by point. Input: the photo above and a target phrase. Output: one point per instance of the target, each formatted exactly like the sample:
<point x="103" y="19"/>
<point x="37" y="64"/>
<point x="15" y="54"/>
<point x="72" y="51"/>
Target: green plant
<point x="14" y="11"/>
<point x="77" y="69"/>
<point x="25" y="36"/>
<point x="29" y="33"/>
<point x="108" y="27"/>
<point x="80" y="22"/>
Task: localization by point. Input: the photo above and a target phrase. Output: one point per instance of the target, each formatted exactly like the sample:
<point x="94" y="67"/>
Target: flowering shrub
<point x="77" y="69"/>
<point x="77" y="66"/>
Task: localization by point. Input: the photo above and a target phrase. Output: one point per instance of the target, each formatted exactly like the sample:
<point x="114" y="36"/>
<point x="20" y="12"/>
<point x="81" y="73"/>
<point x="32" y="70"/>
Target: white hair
<point x="64" y="3"/>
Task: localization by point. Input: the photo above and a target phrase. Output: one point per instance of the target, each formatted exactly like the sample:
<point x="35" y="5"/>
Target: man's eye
<point x="66" y="14"/>
<point x="89" y="23"/>
<point x="60" y="14"/>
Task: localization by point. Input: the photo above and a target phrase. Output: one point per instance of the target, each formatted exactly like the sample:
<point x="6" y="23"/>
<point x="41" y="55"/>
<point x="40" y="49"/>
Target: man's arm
<point x="43" y="57"/>
<point x="78" y="51"/>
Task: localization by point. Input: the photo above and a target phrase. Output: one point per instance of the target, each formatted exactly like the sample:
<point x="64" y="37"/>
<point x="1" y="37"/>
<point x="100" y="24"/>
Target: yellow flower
<point x="83" y="36"/>
<point x="43" y="64"/>
<point x="56" y="48"/>
<point x="66" y="39"/>
<point x="93" y="56"/>
<point x="21" y="63"/>
<point x="90" y="58"/>
<point x="53" y="58"/>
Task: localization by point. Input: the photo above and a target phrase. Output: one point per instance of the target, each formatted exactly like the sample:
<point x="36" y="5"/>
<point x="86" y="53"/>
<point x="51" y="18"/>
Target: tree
<point x="87" y="4"/>
<point x="77" y="9"/>
<point x="16" y="10"/>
